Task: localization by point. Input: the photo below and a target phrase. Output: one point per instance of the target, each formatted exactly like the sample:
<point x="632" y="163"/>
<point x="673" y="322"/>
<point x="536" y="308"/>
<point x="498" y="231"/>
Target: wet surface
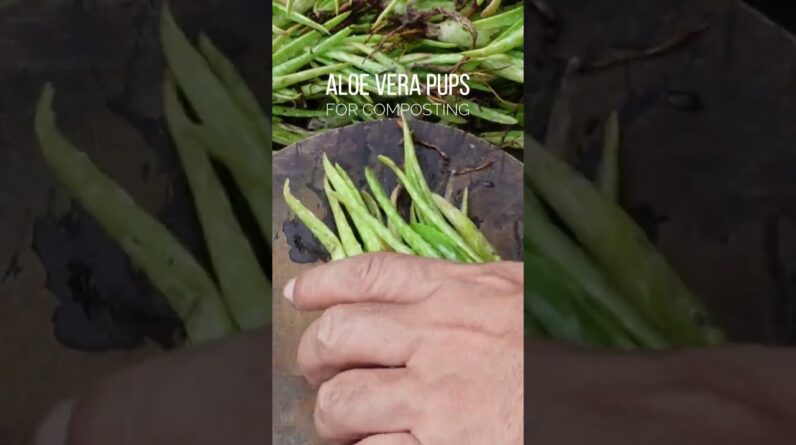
<point x="304" y="247"/>
<point x="104" y="303"/>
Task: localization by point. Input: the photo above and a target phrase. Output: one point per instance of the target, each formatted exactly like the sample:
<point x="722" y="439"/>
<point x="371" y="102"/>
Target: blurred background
<point x="71" y="307"/>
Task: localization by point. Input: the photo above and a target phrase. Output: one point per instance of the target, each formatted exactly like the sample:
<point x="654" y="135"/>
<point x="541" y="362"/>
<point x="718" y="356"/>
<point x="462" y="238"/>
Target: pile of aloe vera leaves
<point x="592" y="277"/>
<point x="435" y="227"/>
<point x="315" y="39"/>
<point x="232" y="130"/>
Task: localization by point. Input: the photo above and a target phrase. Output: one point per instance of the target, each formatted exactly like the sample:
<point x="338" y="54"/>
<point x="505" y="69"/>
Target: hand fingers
<point x="390" y="439"/>
<point x="361" y="402"/>
<point x="354" y="335"/>
<point x="381" y="277"/>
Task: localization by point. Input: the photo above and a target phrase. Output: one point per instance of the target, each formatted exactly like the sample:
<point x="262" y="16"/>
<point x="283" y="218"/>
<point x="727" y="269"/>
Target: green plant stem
<point x="547" y="239"/>
<point x="318" y="228"/>
<point x="167" y="264"/>
<point x="347" y="238"/>
<point x="630" y="261"/>
<point x="359" y="211"/>
<point x="235" y="141"/>
<point x="343" y="184"/>
<point x="244" y="287"/>
<point x="467" y="229"/>
<point x="415" y="241"/>
<point x="608" y="175"/>
<point x="432" y="215"/>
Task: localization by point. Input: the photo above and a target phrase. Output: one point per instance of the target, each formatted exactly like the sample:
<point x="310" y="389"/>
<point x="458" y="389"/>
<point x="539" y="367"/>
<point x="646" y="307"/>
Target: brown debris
<point x="483" y="166"/>
<point x="657" y="50"/>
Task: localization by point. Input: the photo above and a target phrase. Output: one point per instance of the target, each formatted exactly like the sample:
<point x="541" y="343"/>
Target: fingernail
<point x="288" y="291"/>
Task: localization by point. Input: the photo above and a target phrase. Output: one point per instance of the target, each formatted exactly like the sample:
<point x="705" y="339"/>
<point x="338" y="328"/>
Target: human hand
<point x="220" y="393"/>
<point x="414" y="351"/>
<point x="419" y="351"/>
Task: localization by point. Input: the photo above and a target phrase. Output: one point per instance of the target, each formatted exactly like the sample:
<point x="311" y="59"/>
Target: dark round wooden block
<point x="496" y="204"/>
